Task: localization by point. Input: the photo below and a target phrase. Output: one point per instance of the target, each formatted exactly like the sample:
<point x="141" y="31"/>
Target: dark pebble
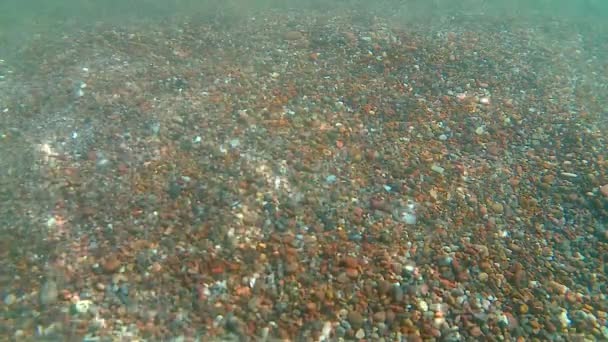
<point x="397" y="293"/>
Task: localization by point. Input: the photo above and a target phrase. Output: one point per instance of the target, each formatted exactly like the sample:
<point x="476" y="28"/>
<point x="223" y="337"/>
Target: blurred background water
<point x="20" y="19"/>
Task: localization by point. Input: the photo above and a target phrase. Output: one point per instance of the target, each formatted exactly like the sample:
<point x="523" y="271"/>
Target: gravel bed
<point x="305" y="177"/>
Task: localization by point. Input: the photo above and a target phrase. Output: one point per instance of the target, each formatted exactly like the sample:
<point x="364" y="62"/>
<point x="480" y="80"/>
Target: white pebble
<point x="569" y="175"/>
<point x="360" y="333"/>
<point x="326" y="331"/>
<point x="82" y="306"/>
<point x="408" y="217"/>
<point x="423" y="306"/>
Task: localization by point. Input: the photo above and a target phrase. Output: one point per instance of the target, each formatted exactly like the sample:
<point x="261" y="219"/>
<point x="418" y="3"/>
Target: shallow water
<point x="311" y="171"/>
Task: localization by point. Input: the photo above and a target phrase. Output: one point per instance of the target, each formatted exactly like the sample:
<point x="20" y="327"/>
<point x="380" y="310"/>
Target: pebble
<point x="523" y="308"/>
<point x="111" y="264"/>
<point x="548" y="179"/>
<point x="352" y="273"/>
<point x="360" y="334"/>
<point x="438" y="169"/>
<point x="293" y="35"/>
<point x="604" y="190"/>
<point x="384" y="287"/>
<point x="497" y="208"/>
<point x="291" y="267"/>
<point x="311" y="307"/>
<point x="342" y="278"/>
<point x="564" y="319"/>
<point x="82" y="306"/>
<point x="331" y="179"/>
<point x="350" y="262"/>
<point x="423" y="306"/>
<point x="380" y="317"/>
<point x="9" y="299"/>
<point x="48" y="293"/>
<point x="397" y="293"/>
<point x="475" y="331"/>
<point x="378" y="204"/>
<point x="355" y="319"/>
<point x="493" y="149"/>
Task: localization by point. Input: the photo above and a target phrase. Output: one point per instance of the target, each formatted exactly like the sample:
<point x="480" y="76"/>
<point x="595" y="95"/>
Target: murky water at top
<point x="319" y="171"/>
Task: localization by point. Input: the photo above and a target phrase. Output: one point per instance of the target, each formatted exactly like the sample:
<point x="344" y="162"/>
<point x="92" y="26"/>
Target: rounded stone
<point x="355" y="319"/>
<point x="380" y="317"/>
<point x="111" y="264"/>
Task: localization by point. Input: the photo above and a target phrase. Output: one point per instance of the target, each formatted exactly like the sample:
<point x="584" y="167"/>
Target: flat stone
<point x="497" y="208"/>
<point x="48" y="293"/>
<point x="355" y="319"/>
<point x="380" y="317"/>
<point x="350" y="262"/>
<point x="604" y="190"/>
<point x="293" y="35"/>
<point x="342" y="278"/>
<point x="9" y="299"/>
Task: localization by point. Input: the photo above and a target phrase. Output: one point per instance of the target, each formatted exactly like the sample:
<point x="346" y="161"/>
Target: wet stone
<point x="48" y="293"/>
<point x="352" y="273"/>
<point x="111" y="264"/>
<point x="355" y="319"/>
<point x="291" y="267"/>
<point x="397" y="293"/>
<point x="360" y="334"/>
<point x="340" y="331"/>
<point x="380" y="317"/>
<point x="9" y="299"/>
<point x="604" y="190"/>
<point x="497" y="208"/>
<point x="384" y="287"/>
<point x="342" y="278"/>
<point x="293" y="35"/>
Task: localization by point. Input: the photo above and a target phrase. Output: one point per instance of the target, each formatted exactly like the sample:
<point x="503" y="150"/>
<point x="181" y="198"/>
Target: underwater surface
<point x="317" y="171"/>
